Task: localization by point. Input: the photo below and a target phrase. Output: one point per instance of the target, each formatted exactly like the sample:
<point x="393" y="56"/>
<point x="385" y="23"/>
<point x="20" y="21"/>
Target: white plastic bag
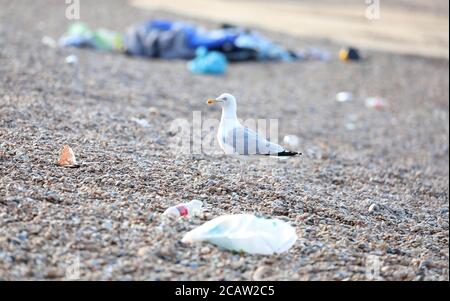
<point x="245" y="232"/>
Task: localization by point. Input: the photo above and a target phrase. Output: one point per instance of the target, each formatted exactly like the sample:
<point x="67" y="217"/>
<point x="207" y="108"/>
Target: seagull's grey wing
<point x="247" y="142"/>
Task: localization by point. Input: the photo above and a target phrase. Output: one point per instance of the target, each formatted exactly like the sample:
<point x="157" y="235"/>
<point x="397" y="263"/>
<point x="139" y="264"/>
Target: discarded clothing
<point x="158" y="39"/>
<point x="177" y="40"/>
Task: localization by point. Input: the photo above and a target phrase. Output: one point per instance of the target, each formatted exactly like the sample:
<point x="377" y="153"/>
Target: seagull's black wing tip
<point x="286" y="154"/>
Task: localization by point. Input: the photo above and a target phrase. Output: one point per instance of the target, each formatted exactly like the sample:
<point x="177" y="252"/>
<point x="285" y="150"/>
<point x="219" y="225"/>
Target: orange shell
<point x="67" y="157"/>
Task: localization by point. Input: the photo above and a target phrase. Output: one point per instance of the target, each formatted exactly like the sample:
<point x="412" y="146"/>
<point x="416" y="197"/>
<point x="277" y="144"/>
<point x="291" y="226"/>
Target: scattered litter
<point x="208" y="62"/>
<point x="344" y="96"/>
<point x="49" y="41"/>
<point x="291" y="141"/>
<point x="71" y="60"/>
<point x="376" y="103"/>
<point x="193" y="208"/>
<point x="142" y="122"/>
<point x="79" y="35"/>
<point x="349" y="54"/>
<point x="108" y="40"/>
<point x="169" y="39"/>
<point x="67" y="158"/>
<point x="245" y="232"/>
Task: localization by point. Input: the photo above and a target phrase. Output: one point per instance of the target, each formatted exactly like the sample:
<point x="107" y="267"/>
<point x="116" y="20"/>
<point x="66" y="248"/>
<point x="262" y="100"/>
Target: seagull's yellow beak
<point x="211" y="101"/>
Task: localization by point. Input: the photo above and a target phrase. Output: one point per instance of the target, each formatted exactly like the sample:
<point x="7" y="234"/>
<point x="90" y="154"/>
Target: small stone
<point x="362" y="246"/>
<point x="205" y="250"/>
<point x="166" y="253"/>
<point x="53" y="274"/>
<point x="107" y="225"/>
<point x="153" y="110"/>
<point x="141" y="122"/>
<point x="373" y="208"/>
<point x="425" y="264"/>
<point x="52" y="197"/>
<point x="48" y="235"/>
<point x="23" y="236"/>
<point x="143" y="251"/>
<point x="261" y="273"/>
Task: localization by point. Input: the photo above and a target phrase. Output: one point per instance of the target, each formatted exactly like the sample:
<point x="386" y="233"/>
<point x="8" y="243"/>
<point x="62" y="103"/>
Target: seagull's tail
<point x="286" y="154"/>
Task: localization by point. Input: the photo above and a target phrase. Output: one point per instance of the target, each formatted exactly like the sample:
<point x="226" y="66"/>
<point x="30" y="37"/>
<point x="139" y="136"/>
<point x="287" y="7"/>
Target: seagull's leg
<point x="242" y="173"/>
<point x="241" y="161"/>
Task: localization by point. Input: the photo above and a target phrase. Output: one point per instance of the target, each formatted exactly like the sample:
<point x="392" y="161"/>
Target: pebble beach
<point x="372" y="184"/>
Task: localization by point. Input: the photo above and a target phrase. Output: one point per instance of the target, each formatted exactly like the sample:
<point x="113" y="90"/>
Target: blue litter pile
<point x="208" y="62"/>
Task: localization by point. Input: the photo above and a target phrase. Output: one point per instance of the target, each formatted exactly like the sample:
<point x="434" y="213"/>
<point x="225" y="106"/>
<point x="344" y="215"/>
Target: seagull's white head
<point x="226" y="101"/>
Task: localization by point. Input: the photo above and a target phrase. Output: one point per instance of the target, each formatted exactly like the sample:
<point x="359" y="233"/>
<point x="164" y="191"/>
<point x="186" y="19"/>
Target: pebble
<point x="52" y="197"/>
<point x="143" y="251"/>
<point x="23" y="236"/>
<point x="261" y="273"/>
<point x="205" y="250"/>
<point x="153" y="111"/>
<point x="107" y="225"/>
<point x="373" y="208"/>
<point x="142" y="122"/>
<point x="425" y="264"/>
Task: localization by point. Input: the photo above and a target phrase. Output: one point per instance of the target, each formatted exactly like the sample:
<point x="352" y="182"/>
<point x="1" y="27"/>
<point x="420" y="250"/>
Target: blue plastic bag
<point x="212" y="62"/>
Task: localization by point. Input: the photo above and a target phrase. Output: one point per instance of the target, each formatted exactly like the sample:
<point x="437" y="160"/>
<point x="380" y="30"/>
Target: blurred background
<point x="412" y="27"/>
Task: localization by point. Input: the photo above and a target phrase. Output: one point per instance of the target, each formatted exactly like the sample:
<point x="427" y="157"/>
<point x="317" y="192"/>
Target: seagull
<point x="236" y="139"/>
